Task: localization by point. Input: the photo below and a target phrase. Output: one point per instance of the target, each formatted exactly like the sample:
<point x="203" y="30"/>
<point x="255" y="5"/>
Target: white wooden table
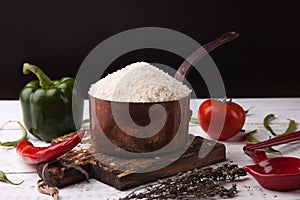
<point x="16" y="170"/>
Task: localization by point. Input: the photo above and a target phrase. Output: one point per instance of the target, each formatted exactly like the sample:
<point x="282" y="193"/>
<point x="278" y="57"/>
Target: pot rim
<point x="125" y="102"/>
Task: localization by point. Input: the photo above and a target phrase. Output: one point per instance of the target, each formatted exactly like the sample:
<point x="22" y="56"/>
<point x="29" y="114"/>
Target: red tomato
<point x="221" y="120"/>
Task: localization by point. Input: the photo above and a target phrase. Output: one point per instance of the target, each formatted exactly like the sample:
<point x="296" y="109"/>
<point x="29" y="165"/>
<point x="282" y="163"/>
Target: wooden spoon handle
<point x="186" y="66"/>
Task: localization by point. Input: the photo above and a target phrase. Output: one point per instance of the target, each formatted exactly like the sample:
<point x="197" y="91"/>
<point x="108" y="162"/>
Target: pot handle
<point x="197" y="55"/>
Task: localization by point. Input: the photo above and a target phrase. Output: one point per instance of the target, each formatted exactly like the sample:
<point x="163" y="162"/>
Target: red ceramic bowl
<point x="118" y="127"/>
<point x="277" y="173"/>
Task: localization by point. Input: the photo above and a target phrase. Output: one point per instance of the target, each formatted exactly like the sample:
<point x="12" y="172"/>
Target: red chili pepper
<point x="35" y="155"/>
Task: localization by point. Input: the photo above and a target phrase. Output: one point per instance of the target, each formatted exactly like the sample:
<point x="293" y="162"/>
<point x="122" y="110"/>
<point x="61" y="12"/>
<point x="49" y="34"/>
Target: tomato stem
<point x="227" y="101"/>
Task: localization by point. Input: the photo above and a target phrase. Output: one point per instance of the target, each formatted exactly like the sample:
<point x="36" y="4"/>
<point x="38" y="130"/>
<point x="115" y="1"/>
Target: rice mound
<point x="139" y="82"/>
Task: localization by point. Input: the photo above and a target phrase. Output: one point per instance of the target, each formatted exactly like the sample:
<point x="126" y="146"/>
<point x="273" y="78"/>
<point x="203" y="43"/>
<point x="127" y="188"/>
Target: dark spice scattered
<point x="198" y="183"/>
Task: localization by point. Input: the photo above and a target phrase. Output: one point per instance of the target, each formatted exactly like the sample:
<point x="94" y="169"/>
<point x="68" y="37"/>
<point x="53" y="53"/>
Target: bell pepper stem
<point x="44" y="80"/>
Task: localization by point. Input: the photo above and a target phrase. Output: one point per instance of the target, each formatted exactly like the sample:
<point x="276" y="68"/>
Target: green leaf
<point x="271" y="150"/>
<point x="85" y="121"/>
<point x="16" y="142"/>
<point x="3" y="178"/>
<point x="194" y="120"/>
<point x="267" y="119"/>
<point x="251" y="138"/>
<point x="291" y="128"/>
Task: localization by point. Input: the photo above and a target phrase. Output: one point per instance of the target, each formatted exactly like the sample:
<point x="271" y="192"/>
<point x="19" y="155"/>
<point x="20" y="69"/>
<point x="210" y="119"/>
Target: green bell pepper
<point x="51" y="108"/>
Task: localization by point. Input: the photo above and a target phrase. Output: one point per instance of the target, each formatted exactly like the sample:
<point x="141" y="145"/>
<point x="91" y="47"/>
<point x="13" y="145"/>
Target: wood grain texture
<point x="82" y="164"/>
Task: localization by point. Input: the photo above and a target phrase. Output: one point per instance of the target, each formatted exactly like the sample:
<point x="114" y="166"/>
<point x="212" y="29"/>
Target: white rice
<point x="139" y="82"/>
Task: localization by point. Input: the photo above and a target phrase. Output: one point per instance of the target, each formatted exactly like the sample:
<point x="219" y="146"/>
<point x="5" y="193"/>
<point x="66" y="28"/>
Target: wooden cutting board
<point x="83" y="163"/>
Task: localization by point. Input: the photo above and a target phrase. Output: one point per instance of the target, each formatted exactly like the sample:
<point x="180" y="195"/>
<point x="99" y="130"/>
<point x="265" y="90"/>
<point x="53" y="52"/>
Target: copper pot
<point x="117" y="127"/>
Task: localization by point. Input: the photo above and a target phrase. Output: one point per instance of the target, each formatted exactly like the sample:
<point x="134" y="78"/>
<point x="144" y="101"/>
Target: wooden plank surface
<point x="283" y="108"/>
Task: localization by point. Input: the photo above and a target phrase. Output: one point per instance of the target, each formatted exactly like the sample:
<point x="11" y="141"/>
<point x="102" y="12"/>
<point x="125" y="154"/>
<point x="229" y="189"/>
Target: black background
<point x="58" y="35"/>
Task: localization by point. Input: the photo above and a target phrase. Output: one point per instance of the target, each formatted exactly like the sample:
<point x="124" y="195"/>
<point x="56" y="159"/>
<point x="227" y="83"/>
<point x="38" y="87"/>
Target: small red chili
<point x="34" y="155"/>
